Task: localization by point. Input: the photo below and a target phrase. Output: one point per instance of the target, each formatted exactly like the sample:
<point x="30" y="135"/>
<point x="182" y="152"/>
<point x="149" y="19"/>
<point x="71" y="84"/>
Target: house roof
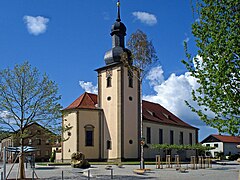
<point x="151" y="111"/>
<point x="221" y="138"/>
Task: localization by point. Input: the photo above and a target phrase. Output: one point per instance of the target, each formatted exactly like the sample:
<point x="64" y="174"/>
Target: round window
<point x="130" y="141"/>
<point x="130" y="98"/>
<point x="109" y="98"/>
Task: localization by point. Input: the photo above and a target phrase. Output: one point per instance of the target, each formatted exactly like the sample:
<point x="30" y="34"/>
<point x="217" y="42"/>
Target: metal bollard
<point x="1" y="175"/>
<point x="32" y="173"/>
<point x="62" y="175"/>
<point x="88" y="174"/>
<point x="111" y="173"/>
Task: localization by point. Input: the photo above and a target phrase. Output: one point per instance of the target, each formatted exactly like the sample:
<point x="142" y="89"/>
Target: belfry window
<point x="89" y="135"/>
<point x="130" y="79"/>
<point x="109" y="82"/>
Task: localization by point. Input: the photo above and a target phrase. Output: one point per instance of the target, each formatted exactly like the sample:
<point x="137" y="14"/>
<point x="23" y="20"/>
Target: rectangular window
<point x="190" y="139"/>
<point x="109" y="144"/>
<point x="39" y="153"/>
<point x="216" y="145"/>
<point x="148" y="135"/>
<point x="160" y="136"/>
<point x="171" y="137"/>
<point x="46" y="152"/>
<point x="47" y="142"/>
<point x="181" y="138"/>
<point x="89" y="138"/>
<point x="38" y="141"/>
<point x="208" y="145"/>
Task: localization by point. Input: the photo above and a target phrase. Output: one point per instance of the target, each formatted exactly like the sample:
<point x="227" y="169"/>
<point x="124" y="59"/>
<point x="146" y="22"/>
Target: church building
<point x="107" y="126"/>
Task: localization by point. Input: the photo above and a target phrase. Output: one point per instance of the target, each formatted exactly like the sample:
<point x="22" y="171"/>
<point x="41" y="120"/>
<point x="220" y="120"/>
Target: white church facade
<point x="107" y="126"/>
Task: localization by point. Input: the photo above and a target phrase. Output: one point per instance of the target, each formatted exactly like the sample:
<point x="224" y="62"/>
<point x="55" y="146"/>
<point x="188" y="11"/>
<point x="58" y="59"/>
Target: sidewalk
<point x="217" y="172"/>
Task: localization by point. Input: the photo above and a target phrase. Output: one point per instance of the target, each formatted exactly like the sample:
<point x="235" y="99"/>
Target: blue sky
<point x="70" y="37"/>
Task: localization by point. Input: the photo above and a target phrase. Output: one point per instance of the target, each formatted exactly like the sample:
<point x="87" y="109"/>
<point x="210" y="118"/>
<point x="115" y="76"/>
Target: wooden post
<point x="158" y="161"/>
<point x="201" y="162"/>
<point x="168" y="161"/>
<point x="177" y="161"/>
<point x="193" y="162"/>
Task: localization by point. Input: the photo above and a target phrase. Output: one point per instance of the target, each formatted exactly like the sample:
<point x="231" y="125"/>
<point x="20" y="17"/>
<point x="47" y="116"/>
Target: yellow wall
<point x="70" y="145"/>
<point x="88" y="117"/>
<point x="85" y="117"/>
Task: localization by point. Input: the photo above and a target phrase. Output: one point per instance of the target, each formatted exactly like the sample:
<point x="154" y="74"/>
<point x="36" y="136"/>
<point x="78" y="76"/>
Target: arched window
<point x="89" y="135"/>
<point x="109" y="81"/>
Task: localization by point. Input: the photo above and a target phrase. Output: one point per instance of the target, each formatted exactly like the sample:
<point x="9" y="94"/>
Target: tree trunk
<point x="21" y="162"/>
<point x="141" y="129"/>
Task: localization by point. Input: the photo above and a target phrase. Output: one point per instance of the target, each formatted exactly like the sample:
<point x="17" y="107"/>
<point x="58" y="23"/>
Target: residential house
<point x="222" y="144"/>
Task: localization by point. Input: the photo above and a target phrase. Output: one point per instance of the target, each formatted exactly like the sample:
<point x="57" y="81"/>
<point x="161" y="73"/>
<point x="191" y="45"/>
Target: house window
<point x="171" y="137"/>
<point x="181" y="138"/>
<point x="38" y="141"/>
<point x="39" y="153"/>
<point x="109" y="144"/>
<point x="160" y="136"/>
<point x="47" y="142"/>
<point x="38" y="132"/>
<point x="30" y="142"/>
<point x="148" y="135"/>
<point x="109" y="81"/>
<point x="208" y="145"/>
<point x="190" y="139"/>
<point x="216" y="145"/>
<point x="47" y="153"/>
<point x="89" y="135"/>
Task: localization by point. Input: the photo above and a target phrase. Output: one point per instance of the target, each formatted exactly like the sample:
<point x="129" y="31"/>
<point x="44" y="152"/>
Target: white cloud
<point x="173" y="92"/>
<point x="88" y="87"/>
<point x="146" y="18"/>
<point x="36" y="25"/>
<point x="155" y="76"/>
<point x="4" y="114"/>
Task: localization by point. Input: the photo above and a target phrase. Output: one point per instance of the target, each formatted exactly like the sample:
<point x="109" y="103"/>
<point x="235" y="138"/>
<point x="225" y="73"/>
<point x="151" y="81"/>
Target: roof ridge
<point x="84" y="95"/>
<point x="89" y="95"/>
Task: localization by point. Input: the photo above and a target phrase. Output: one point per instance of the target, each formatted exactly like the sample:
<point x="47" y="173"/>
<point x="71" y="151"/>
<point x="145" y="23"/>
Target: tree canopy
<point x="217" y="66"/>
<point x="143" y="54"/>
<point x="27" y="97"/>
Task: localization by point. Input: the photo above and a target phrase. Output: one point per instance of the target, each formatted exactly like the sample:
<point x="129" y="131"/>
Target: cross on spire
<point x="118" y="11"/>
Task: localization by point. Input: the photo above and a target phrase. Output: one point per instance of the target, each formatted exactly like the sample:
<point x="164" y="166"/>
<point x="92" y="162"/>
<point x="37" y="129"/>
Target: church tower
<point x="118" y="93"/>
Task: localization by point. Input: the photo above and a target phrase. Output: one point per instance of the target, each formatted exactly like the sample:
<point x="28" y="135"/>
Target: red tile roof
<point x="227" y="139"/>
<point x="85" y="101"/>
<point x="157" y="113"/>
<point x="151" y="111"/>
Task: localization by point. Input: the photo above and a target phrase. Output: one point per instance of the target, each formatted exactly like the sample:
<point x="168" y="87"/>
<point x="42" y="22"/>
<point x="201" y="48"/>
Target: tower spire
<point x="118" y="11"/>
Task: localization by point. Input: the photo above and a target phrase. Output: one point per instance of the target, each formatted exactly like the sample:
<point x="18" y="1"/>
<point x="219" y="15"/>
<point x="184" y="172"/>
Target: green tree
<point x="143" y="56"/>
<point x="217" y="70"/>
<point x="26" y="96"/>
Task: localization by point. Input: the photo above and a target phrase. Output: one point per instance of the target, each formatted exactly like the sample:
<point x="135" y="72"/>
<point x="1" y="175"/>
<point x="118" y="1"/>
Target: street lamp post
<point x="142" y="166"/>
